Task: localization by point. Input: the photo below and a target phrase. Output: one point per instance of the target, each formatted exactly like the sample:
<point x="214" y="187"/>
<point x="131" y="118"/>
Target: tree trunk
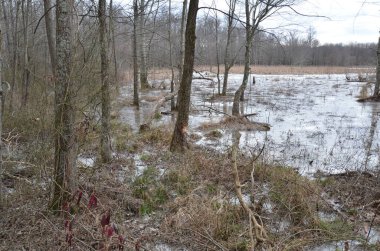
<point x="182" y="44"/>
<point x="64" y="164"/>
<point x="1" y="121"/>
<point x="217" y="50"/>
<point x="105" y="141"/>
<point x="26" y="71"/>
<point x="247" y="60"/>
<point x="182" y="39"/>
<point x="7" y="29"/>
<point x="228" y="62"/>
<point x="134" y="49"/>
<point x="50" y="33"/>
<point x="141" y="44"/>
<point x="172" y="103"/>
<point x="112" y="38"/>
<point x="15" y="56"/>
<point x="179" y="140"/>
<point x="376" y="93"/>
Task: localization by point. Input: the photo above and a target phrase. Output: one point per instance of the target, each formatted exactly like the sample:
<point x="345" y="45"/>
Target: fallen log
<point x="160" y="102"/>
<point x="369" y="99"/>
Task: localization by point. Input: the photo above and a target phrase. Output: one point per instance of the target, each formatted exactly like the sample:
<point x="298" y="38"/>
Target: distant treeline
<point x="279" y="48"/>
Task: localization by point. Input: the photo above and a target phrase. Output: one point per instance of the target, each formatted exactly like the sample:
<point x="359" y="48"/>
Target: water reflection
<point x="315" y="119"/>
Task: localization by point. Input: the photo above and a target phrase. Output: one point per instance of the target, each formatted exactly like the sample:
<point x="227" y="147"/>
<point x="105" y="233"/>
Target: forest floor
<point x="158" y="200"/>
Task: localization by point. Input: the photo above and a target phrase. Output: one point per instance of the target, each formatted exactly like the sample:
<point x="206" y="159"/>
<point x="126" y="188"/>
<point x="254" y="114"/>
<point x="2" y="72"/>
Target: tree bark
<point x="141" y="44"/>
<point x="376" y="92"/>
<point x="15" y="56"/>
<point x="26" y="70"/>
<point x="228" y="62"/>
<point x="1" y="121"/>
<point x="182" y="44"/>
<point x="65" y="159"/>
<point x="105" y="141"/>
<point x="50" y="33"/>
<point x="112" y="38"/>
<point x="179" y="140"/>
<point x="172" y="103"/>
<point x="247" y="60"/>
<point x="217" y="50"/>
<point x="134" y="49"/>
<point x="7" y="29"/>
<point x="182" y="38"/>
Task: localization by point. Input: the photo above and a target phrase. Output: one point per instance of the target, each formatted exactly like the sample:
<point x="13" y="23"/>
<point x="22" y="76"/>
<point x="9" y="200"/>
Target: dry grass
<point x="236" y="123"/>
<point x="292" y="70"/>
<point x="156" y="73"/>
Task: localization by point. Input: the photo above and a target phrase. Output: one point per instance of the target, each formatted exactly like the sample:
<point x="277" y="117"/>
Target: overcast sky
<point x="350" y="20"/>
<point x="346" y="20"/>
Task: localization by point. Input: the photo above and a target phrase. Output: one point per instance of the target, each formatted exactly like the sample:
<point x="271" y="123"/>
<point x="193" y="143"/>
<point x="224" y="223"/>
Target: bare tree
<point x="182" y="38"/>
<point x="50" y="33"/>
<point x="257" y="11"/>
<point x="7" y="28"/>
<point x="15" y="55"/>
<point x="179" y="140"/>
<point x="135" y="64"/>
<point x="172" y="103"/>
<point x="182" y="44"/>
<point x="112" y="38"/>
<point x="376" y="92"/>
<point x="247" y="59"/>
<point x="105" y="141"/>
<point x="228" y="60"/>
<point x="26" y="70"/>
<point x="1" y="120"/>
<point x="64" y="157"/>
<point x="142" y="47"/>
<point x="217" y="57"/>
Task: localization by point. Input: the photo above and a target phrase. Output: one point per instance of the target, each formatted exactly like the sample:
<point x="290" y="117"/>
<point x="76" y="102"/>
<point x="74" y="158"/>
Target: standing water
<point x="316" y="122"/>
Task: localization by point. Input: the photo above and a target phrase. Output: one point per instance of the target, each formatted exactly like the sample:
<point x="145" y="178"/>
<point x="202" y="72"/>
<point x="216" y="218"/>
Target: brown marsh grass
<point x="157" y="73"/>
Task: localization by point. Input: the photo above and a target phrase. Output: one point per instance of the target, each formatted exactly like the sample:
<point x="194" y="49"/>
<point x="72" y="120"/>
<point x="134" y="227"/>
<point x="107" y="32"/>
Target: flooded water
<point x="316" y="123"/>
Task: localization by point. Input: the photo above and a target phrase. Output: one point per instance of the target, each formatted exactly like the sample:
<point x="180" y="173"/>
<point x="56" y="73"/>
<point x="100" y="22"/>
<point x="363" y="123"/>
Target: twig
<point x="18" y="178"/>
<point x="216" y="110"/>
<point x="260" y="232"/>
<point x="249" y="115"/>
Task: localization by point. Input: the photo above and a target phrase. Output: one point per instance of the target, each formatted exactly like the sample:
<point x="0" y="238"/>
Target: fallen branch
<point x="260" y="232"/>
<point x="215" y="110"/>
<point x="156" y="107"/>
<point x="249" y="115"/>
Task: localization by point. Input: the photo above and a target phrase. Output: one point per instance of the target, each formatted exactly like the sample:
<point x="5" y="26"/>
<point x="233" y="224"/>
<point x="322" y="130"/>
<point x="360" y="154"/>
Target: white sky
<point x="346" y="20"/>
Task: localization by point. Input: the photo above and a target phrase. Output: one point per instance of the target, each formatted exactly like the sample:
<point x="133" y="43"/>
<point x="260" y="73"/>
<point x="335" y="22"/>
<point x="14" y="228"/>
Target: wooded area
<point x="88" y="134"/>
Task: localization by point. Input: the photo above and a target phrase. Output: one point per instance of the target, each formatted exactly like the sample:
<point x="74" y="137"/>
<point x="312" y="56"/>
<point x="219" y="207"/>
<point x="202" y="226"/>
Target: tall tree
<point x="256" y="12"/>
<point x="105" y="141"/>
<point x="134" y="52"/>
<point x="26" y="70"/>
<point x="64" y="158"/>
<point x="1" y="120"/>
<point x="182" y="44"/>
<point x="172" y="103"/>
<point x="182" y="38"/>
<point x="376" y="92"/>
<point x="15" y="54"/>
<point x="217" y="50"/>
<point x="142" y="47"/>
<point x="113" y="39"/>
<point x="228" y="60"/>
<point x="179" y="140"/>
<point x="50" y="32"/>
<point x="247" y="59"/>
